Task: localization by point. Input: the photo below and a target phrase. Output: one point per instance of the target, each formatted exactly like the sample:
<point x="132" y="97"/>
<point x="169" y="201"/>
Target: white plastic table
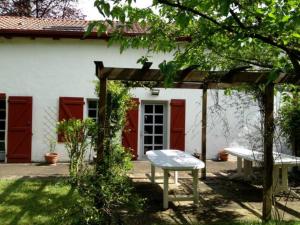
<point x="175" y="160"/>
<point x="280" y="165"/>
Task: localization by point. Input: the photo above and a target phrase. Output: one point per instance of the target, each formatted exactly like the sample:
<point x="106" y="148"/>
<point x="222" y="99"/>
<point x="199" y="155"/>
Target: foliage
<point x="290" y="117"/>
<point x="220" y="35"/>
<point x="119" y="102"/>
<point x="52" y="144"/>
<point x="76" y="136"/>
<point x="105" y="197"/>
<point x="41" y="8"/>
<point x="105" y="190"/>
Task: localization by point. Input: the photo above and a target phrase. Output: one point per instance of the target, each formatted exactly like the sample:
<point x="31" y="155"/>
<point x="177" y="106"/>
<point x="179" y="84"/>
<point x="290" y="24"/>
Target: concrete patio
<point x="221" y="199"/>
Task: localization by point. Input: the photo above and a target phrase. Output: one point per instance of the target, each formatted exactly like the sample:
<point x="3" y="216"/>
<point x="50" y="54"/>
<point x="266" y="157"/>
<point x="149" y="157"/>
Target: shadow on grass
<point x="33" y="201"/>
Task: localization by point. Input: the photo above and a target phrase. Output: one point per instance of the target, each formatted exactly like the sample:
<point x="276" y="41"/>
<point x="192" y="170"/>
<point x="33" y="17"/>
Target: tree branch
<point x="255" y="63"/>
<point x="237" y="20"/>
<point x="228" y="28"/>
<point x="196" y="12"/>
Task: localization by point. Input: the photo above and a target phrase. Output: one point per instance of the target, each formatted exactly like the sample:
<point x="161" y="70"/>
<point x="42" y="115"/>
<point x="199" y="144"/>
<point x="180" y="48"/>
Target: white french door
<point x="154" y="126"/>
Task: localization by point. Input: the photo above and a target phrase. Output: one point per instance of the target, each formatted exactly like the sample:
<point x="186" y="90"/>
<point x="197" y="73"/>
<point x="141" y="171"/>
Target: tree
<point x="65" y="9"/>
<point x="223" y="34"/>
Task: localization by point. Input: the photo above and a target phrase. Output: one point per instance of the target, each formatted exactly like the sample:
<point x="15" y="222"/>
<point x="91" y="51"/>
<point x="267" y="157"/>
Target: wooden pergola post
<point x="268" y="150"/>
<point x="203" y="135"/>
<point x="101" y="110"/>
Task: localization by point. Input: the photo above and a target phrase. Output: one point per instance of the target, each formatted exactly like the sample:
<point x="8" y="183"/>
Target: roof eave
<point x="10" y="33"/>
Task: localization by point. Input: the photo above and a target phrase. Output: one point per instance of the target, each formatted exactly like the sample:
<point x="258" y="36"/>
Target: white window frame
<point x="88" y="108"/>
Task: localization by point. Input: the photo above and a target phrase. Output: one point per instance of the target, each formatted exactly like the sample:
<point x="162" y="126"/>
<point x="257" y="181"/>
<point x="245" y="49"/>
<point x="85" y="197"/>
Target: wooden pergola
<point x="194" y="79"/>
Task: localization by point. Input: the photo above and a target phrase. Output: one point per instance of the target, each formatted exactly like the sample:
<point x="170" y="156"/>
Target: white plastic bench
<point x="280" y="165"/>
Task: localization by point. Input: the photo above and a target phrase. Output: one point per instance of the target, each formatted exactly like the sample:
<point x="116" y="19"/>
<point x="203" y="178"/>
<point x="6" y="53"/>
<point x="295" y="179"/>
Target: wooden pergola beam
<point x="190" y="75"/>
<point x="229" y="76"/>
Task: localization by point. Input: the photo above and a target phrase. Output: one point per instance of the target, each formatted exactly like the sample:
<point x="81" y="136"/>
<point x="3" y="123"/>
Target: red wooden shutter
<point x="177" y="134"/>
<point x="70" y="108"/>
<point x="130" y="132"/>
<point x="19" y="130"/>
<point x="2" y="96"/>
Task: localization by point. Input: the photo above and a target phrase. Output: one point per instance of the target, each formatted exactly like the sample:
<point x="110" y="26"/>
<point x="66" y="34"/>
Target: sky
<point x="87" y="7"/>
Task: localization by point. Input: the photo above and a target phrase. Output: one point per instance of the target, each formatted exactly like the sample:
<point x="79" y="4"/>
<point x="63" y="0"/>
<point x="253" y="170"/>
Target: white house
<point x="47" y="72"/>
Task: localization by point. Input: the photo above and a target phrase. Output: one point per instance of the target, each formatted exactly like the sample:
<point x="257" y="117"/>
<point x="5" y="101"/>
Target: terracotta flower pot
<point x="51" y="158"/>
<point x="223" y="156"/>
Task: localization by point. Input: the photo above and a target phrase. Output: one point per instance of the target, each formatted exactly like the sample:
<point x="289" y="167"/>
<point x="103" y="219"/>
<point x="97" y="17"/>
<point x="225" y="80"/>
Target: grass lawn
<point x="32" y="201"/>
<point x="36" y="201"/>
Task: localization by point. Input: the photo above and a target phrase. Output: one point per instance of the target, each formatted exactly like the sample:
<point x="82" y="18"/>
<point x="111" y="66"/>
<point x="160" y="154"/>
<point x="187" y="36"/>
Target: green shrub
<point x="289" y="118"/>
<point x="77" y="141"/>
<point x="105" y="191"/>
<point x="104" y="197"/>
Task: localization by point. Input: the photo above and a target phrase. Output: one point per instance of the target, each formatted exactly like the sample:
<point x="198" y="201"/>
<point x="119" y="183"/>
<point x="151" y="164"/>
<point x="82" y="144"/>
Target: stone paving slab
<point x="221" y="199"/>
<point x="16" y="170"/>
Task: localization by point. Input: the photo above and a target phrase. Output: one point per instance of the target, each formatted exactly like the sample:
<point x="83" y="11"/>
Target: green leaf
<point x="182" y="20"/>
<point x="228" y="91"/>
<point x="273" y="75"/>
<point x="101" y="28"/>
<point x="271" y="15"/>
<point x="296" y="35"/>
<point x="286" y="18"/>
<point x="90" y="28"/>
<point x="224" y="7"/>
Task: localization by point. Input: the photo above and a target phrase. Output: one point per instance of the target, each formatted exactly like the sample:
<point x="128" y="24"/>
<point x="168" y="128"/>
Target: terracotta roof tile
<point x="26" y="25"/>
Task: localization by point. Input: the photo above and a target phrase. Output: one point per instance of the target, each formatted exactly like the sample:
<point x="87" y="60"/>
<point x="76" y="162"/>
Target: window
<point x="2" y="128"/>
<point x="93" y="109"/>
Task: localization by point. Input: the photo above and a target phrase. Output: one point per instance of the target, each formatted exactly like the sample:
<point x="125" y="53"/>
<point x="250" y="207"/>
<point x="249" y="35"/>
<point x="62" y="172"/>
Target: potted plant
<point x="223" y="155"/>
<point x="51" y="157"/>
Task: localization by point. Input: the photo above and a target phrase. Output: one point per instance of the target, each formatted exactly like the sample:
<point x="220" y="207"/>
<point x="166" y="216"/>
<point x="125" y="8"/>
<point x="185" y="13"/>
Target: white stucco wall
<point x="48" y="69"/>
<point x="193" y="113"/>
<point x="227" y="120"/>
